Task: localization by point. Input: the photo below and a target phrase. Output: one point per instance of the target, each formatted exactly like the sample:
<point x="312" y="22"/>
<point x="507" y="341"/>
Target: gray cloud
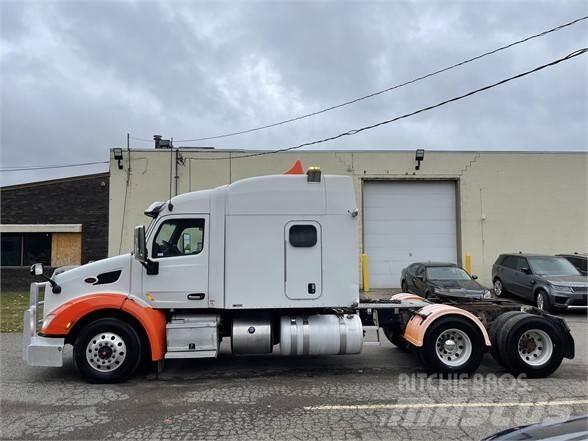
<point x="77" y="76"/>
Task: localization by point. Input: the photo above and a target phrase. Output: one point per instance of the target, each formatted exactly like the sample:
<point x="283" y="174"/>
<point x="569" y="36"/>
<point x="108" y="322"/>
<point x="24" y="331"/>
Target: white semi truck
<point x="272" y="263"/>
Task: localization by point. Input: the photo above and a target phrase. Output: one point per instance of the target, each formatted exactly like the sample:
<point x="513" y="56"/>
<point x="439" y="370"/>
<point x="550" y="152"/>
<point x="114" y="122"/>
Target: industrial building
<point x="58" y="223"/>
<point x="446" y="206"/>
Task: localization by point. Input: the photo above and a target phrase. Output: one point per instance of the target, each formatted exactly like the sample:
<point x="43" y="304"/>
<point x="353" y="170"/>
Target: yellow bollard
<point x="468" y="263"/>
<point x="364" y="273"/>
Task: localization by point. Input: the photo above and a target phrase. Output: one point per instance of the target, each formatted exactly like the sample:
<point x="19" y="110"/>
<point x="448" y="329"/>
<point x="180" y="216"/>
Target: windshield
<point x="446" y="273"/>
<point x="552" y="266"/>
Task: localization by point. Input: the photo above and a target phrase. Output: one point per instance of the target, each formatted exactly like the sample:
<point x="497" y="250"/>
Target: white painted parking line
<point x="443" y="405"/>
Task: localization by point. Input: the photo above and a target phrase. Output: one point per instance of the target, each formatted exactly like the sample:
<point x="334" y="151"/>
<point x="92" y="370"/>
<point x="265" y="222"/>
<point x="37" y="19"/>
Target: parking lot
<point x="380" y="394"/>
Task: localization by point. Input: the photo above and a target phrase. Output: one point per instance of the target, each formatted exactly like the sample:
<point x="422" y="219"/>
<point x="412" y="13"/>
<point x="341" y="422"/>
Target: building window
<point x="303" y="235"/>
<point x="24" y="249"/>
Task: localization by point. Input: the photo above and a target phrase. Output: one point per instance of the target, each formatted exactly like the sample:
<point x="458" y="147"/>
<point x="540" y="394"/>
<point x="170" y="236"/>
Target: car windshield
<point x="446" y="273"/>
<point x="552" y="266"/>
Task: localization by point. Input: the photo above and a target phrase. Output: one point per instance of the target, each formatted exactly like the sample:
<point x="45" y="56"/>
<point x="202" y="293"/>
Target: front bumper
<point x="38" y="350"/>
<point x="570" y="301"/>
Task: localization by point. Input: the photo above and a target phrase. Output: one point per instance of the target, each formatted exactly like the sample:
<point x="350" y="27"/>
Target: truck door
<point x="180" y="246"/>
<point x="303" y="272"/>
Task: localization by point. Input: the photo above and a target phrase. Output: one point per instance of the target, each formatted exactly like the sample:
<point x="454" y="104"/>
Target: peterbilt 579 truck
<point x="272" y="263"/>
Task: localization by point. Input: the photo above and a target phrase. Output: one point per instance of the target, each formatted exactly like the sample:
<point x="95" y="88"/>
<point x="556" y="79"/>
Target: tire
<point x="499" y="290"/>
<point x="493" y="331"/>
<point x="404" y="286"/>
<point x="448" y="333"/>
<point x="396" y="339"/>
<point x="530" y="344"/>
<point x="543" y="302"/>
<point x="97" y="353"/>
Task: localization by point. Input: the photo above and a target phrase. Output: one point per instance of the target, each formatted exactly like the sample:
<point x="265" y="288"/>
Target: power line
<point x="406" y="115"/>
<point x="380" y="92"/>
<point x="44" y="167"/>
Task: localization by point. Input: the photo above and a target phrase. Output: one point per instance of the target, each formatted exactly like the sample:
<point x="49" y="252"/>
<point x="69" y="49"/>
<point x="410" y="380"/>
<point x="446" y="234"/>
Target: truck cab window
<point x="303" y="235"/>
<point x="179" y="237"/>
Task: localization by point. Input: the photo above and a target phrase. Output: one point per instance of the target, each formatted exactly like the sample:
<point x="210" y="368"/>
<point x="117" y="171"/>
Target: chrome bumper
<point x="37" y="350"/>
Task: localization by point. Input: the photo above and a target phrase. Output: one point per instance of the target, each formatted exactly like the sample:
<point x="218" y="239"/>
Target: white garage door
<point x="406" y="222"/>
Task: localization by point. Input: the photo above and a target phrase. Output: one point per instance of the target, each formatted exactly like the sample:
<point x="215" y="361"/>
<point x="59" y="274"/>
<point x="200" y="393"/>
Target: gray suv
<point x="551" y="282"/>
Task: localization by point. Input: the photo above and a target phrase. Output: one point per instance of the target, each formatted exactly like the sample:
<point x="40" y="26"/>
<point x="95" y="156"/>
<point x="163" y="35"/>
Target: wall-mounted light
<point x="420" y="156"/>
<point x="118" y="156"/>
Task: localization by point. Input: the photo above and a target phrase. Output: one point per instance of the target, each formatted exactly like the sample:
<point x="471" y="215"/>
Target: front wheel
<point x="499" y="290"/>
<point x="543" y="302"/>
<point x="107" y="350"/>
<point x="452" y="345"/>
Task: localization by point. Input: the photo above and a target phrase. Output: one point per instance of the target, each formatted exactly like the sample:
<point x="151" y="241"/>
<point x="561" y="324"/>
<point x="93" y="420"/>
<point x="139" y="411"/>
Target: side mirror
<point x="37" y="269"/>
<point x="140" y="247"/>
<point x="186" y="243"/>
<point x="526" y="270"/>
<point x="474" y="277"/>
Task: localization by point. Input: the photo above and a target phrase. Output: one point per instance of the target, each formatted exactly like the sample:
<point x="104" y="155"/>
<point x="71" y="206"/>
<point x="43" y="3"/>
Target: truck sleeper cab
<point x="267" y="261"/>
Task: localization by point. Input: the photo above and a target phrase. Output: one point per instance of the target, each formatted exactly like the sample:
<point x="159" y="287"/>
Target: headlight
<point x="487" y="294"/>
<point x="47" y="321"/>
<point x="561" y="288"/>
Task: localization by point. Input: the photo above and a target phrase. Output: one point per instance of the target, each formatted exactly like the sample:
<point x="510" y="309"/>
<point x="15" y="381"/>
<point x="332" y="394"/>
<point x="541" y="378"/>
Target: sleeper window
<point x="179" y="237"/>
<point x="303" y="235"/>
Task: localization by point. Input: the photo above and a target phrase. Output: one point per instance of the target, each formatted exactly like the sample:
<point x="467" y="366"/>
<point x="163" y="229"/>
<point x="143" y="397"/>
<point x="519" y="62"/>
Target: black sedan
<point x="441" y="279"/>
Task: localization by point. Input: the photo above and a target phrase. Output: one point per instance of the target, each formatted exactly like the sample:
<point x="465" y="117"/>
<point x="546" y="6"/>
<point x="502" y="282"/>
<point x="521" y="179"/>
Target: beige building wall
<point x="507" y="201"/>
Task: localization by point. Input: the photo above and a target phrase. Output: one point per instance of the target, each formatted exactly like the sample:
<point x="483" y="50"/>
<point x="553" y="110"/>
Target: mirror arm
<point x="151" y="267"/>
<point x="54" y="286"/>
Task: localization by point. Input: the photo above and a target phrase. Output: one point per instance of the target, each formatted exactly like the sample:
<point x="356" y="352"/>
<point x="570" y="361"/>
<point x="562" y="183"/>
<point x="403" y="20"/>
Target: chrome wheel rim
<point x="497" y="288"/>
<point x="453" y="347"/>
<point x="535" y="347"/>
<point x="106" y="352"/>
<point x="540" y="301"/>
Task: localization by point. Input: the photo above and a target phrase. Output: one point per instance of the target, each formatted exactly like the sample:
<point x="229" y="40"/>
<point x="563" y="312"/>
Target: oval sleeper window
<point x="303" y="235"/>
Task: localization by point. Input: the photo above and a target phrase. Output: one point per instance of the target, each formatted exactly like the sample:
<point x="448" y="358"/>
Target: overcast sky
<point x="78" y="75"/>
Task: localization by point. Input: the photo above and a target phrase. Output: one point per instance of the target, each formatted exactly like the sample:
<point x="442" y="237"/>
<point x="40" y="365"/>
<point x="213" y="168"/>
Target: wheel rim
<point x="540" y="301"/>
<point x="497" y="288"/>
<point x="453" y="347"/>
<point x="106" y="352"/>
<point x="535" y="347"/>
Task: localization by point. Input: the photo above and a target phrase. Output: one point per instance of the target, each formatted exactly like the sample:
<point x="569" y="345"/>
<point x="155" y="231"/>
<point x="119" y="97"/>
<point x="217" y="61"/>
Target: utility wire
<point x="380" y="92"/>
<point x="406" y="115"/>
<point x="44" y="167"/>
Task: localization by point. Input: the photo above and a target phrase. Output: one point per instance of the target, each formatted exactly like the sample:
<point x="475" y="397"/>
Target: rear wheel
<point x="452" y="345"/>
<point x="396" y="339"/>
<point x="495" y="328"/>
<point x="530" y="345"/>
<point x="107" y="350"/>
<point x="499" y="290"/>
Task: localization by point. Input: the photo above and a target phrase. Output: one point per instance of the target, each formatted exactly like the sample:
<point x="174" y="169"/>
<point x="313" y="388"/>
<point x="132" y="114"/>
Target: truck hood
<point x="110" y="275"/>
<point x="458" y="288"/>
<point x="572" y="281"/>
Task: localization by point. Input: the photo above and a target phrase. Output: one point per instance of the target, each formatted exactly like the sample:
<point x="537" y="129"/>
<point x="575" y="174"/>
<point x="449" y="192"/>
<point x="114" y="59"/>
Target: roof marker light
<point x="296" y="169"/>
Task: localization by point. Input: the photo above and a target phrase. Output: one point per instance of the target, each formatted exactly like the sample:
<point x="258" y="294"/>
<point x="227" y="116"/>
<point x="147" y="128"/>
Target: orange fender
<point x="153" y="322"/>
<point x="419" y="323"/>
<point x="68" y="314"/>
<point x="407" y="296"/>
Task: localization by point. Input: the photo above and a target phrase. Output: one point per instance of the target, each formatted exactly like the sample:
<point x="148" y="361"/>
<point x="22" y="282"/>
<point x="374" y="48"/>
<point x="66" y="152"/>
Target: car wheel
<point x="404" y="286"/>
<point x="452" y="345"/>
<point x="396" y="339"/>
<point x="493" y="332"/>
<point x="543" y="301"/>
<point x="499" y="290"/>
<point x="530" y="345"/>
<point x="107" y="350"/>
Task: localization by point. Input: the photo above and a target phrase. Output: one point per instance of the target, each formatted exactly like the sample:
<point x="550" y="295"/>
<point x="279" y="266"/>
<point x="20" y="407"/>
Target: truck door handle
<point x="311" y="288"/>
<point x="196" y="296"/>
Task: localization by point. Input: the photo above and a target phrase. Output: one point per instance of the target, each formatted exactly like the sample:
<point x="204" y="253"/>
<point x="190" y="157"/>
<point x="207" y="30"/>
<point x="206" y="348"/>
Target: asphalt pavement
<point x="379" y="394"/>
